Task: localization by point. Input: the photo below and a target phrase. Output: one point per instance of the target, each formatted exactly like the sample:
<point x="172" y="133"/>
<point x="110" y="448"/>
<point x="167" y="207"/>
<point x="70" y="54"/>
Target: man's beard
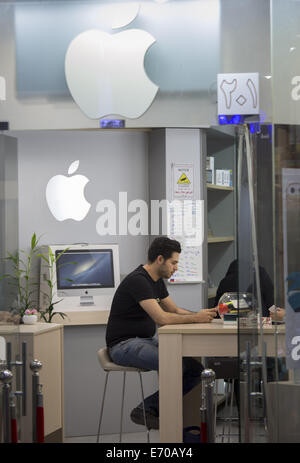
<point x="164" y="273"/>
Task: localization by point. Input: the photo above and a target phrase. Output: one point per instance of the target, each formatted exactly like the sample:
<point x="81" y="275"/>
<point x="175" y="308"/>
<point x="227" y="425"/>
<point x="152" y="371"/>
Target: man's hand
<point x="206" y="315"/>
<point x="278" y="315"/>
<point x="162" y="318"/>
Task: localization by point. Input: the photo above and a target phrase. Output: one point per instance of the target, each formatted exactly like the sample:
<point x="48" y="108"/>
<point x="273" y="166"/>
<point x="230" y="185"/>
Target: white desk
<point x="194" y="340"/>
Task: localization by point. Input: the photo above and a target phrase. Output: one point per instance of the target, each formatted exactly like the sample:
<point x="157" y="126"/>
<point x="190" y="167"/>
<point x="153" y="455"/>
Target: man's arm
<point x="160" y="317"/>
<point x="169" y="306"/>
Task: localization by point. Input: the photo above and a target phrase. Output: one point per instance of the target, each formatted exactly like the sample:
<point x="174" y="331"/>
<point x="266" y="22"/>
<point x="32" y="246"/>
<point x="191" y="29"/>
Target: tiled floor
<point x="258" y="433"/>
<point x="138" y="437"/>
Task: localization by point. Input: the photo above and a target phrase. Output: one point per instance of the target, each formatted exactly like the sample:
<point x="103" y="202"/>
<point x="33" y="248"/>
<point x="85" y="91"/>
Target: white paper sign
<point x="183" y="181"/>
<point x="238" y="93"/>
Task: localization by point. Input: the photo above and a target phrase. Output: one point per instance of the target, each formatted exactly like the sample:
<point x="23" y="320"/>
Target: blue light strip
<point x="112" y="123"/>
<point x="236" y="119"/>
<point x="254" y="127"/>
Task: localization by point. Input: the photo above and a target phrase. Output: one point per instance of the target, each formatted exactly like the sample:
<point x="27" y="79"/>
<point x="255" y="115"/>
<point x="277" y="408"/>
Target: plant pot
<point x="29" y="319"/>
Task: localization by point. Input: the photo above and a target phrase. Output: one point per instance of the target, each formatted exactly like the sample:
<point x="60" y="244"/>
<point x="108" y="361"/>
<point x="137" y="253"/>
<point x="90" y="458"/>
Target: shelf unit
<point x="220" y="210"/>
<point x="211" y="186"/>
<point x="219" y="239"/>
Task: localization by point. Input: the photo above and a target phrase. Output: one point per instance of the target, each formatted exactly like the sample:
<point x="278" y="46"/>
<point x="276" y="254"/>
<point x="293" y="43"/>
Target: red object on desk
<point x="223" y="308"/>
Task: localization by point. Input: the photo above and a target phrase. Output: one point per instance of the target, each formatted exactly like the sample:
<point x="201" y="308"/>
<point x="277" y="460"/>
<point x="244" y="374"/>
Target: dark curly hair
<point x="163" y="246"/>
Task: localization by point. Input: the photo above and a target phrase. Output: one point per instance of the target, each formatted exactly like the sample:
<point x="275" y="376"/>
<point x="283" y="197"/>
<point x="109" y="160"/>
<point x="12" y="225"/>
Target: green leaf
<point x="57" y="302"/>
<point x="61" y="253"/>
<point x="51" y="254"/>
<point x="63" y="315"/>
<point x="33" y="242"/>
<point x="43" y="257"/>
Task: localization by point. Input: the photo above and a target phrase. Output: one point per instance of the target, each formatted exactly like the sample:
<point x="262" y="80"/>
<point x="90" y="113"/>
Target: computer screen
<point x="85" y="269"/>
<point x="83" y="275"/>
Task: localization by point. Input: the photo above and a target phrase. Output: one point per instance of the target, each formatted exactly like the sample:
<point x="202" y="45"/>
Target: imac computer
<point x="83" y="275"/>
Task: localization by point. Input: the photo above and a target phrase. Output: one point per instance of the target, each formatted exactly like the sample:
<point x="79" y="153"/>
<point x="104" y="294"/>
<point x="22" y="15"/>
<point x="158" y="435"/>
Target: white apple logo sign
<point x="105" y="73"/>
<point x="65" y="195"/>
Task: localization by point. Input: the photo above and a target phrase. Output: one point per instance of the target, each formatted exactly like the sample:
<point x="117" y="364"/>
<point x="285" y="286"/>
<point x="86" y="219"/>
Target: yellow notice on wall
<point x="183" y="179"/>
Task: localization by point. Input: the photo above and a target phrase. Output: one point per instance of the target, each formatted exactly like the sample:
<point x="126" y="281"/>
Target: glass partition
<point x="255" y="276"/>
<point x="284" y="390"/>
<point x="10" y="355"/>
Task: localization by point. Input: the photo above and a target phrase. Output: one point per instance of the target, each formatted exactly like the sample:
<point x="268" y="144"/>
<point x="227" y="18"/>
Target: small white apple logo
<point x="105" y="73"/>
<point x="65" y="195"/>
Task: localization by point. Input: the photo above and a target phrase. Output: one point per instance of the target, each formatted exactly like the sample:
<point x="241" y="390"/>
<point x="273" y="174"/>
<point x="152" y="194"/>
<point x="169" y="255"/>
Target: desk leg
<point x="170" y="387"/>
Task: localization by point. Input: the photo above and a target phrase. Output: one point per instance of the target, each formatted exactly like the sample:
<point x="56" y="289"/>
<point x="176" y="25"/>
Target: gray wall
<point x="8" y="213"/>
<point x="113" y="162"/>
<point x="180" y="146"/>
<point x="183" y="146"/>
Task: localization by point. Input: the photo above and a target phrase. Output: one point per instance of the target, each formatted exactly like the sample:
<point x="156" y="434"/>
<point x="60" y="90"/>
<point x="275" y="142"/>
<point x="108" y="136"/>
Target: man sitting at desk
<point x="141" y="301"/>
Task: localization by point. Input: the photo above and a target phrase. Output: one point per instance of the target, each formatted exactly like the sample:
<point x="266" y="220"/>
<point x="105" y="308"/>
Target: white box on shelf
<point x="227" y="177"/>
<point x="210" y="162"/>
<point x="210" y="176"/>
<point x="210" y="169"/>
<point x="224" y="177"/>
<point x="219" y="177"/>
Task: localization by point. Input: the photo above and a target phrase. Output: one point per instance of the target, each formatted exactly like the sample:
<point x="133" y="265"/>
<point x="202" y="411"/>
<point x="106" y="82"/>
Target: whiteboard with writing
<point x="185" y="228"/>
<point x="189" y="267"/>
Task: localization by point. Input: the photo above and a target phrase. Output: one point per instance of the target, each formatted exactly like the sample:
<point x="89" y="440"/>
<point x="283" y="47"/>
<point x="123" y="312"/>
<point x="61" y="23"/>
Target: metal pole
<point x="8" y="355"/>
<point x="208" y="381"/>
<point x="35" y="367"/>
<point x="247" y="404"/>
<point x="6" y="378"/>
<point x="24" y="378"/>
<point x="203" y="423"/>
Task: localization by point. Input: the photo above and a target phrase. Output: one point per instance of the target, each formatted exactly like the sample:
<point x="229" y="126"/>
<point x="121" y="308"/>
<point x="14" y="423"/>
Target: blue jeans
<point x="143" y="353"/>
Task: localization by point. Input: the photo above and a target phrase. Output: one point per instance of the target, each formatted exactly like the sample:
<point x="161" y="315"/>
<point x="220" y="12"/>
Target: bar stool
<point x="108" y="366"/>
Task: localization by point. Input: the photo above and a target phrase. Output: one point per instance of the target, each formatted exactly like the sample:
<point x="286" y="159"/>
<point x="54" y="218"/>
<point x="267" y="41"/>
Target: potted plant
<point x="21" y="277"/>
<point x="30" y="316"/>
<point x="52" y="261"/>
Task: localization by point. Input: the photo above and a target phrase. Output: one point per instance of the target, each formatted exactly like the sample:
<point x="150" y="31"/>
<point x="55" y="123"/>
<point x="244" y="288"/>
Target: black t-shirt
<point x="127" y="318"/>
